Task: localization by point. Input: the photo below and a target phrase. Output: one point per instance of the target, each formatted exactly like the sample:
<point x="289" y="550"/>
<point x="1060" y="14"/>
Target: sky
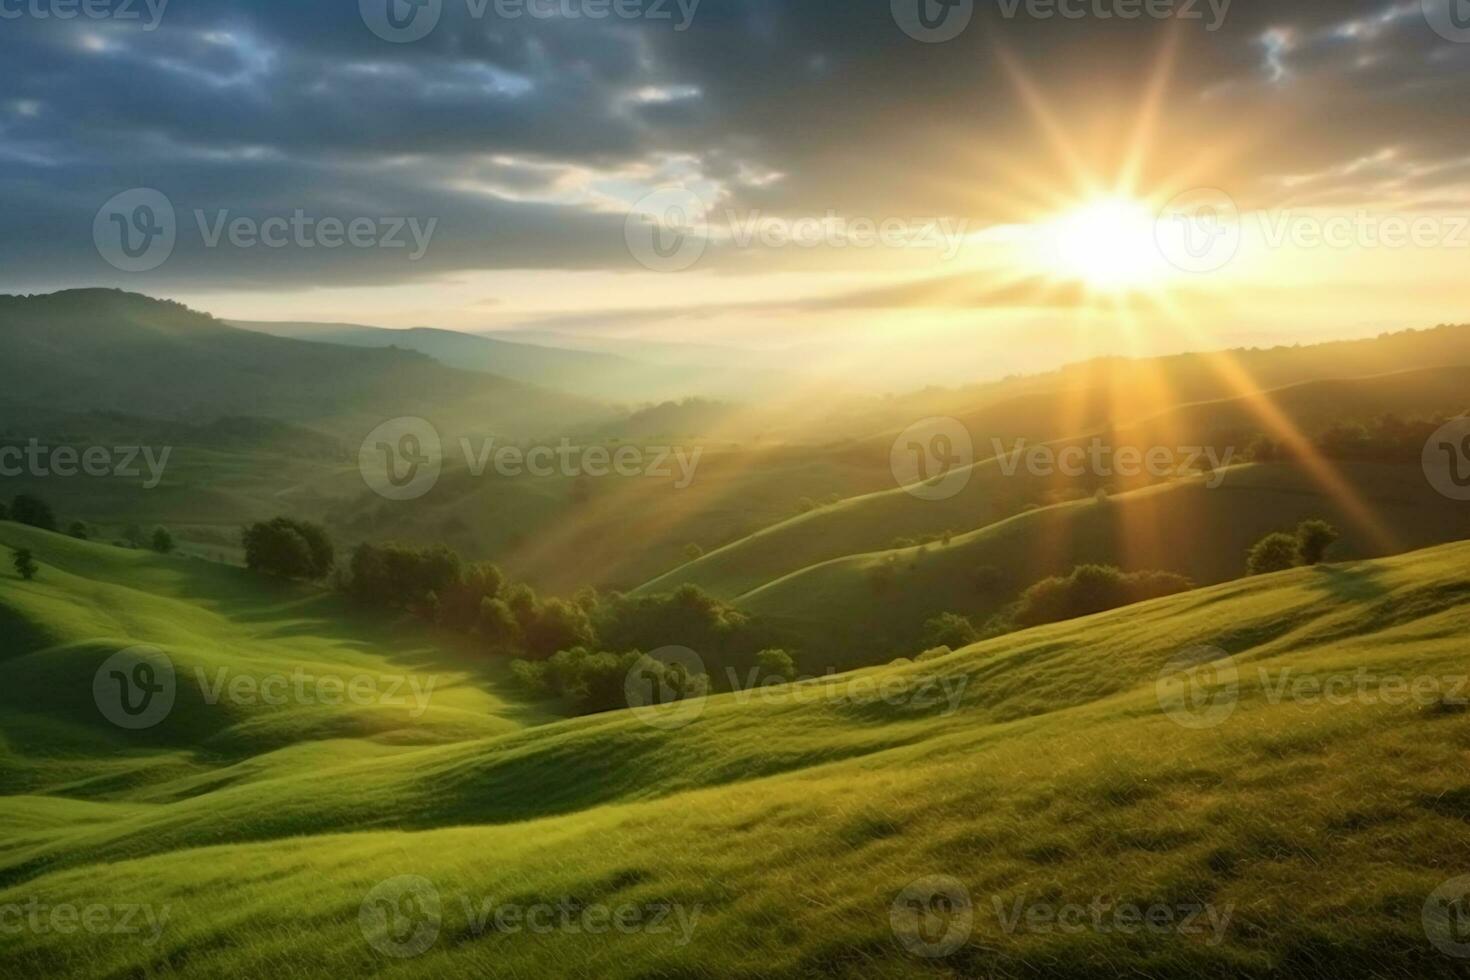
<point x="922" y="190"/>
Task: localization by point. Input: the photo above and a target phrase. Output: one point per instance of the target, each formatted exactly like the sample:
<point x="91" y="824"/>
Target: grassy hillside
<point x="1039" y="769"/>
<point x="871" y="523"/>
<point x="838" y="613"/>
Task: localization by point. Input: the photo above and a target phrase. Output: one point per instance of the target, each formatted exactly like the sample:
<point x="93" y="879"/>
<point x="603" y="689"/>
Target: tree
<point x="776" y="663"/>
<point x="949" y="630"/>
<point x="1273" y="553"/>
<point x="163" y="542"/>
<point x="26" y="509"/>
<point x="558" y="625"/>
<point x="79" y="530"/>
<point x="1313" y="539"/>
<point x="290" y="549"/>
<point x="25" y="564"/>
<point x="498" y="624"/>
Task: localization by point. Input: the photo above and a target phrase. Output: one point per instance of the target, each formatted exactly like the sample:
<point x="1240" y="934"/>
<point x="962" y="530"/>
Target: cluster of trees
<point x="1277" y="552"/>
<point x="1387" y="438"/>
<point x="590" y="682"/>
<point x="35" y="512"/>
<point x="1092" y="589"/>
<point x="289" y="549"/>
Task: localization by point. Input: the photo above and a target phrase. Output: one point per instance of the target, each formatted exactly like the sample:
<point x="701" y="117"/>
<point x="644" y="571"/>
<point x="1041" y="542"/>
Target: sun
<point x="1107" y="243"/>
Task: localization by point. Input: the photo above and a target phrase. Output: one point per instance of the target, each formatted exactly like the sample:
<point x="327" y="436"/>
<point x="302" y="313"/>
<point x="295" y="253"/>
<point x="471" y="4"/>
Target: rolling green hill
<point x="839" y="613"/>
<point x="1053" y="767"/>
<point x="871" y="523"/>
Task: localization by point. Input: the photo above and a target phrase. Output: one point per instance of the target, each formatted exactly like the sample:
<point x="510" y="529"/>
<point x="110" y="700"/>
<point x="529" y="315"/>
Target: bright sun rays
<point x="1107" y="243"/>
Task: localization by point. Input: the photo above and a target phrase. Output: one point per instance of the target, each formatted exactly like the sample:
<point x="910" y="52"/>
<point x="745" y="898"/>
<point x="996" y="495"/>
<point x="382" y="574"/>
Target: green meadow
<point x="1289" y="803"/>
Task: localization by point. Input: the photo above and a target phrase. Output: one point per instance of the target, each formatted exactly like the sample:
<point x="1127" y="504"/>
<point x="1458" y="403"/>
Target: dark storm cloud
<point x="496" y="127"/>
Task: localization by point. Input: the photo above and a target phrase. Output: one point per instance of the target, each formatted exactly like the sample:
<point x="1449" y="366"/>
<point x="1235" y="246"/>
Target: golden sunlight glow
<point x="1107" y="243"/>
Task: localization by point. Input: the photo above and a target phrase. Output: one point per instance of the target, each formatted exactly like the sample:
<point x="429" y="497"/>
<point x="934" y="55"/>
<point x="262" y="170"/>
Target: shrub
<point x="79" y="530"/>
<point x="776" y="663"/>
<point x="163" y="541"/>
<point x="1313" y="539"/>
<point x="1273" y="553"/>
<point x="933" y="653"/>
<point x="949" y="630"/>
<point x="25" y="564"/>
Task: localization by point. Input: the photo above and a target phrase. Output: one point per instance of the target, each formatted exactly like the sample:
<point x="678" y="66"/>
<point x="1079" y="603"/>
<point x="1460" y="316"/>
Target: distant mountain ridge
<point x="106" y="350"/>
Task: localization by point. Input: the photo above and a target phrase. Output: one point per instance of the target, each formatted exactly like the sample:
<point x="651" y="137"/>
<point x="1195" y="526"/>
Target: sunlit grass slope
<point x="870" y="523"/>
<point x="841" y="613"/>
<point x="785" y="826"/>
